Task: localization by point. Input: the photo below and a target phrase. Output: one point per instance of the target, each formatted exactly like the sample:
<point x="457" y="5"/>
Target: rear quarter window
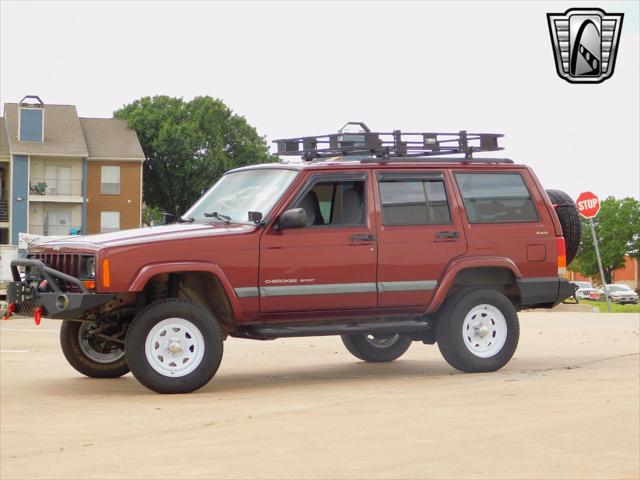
<point x="496" y="198"/>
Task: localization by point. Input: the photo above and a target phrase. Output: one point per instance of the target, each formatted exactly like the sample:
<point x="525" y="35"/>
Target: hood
<point x="137" y="236"/>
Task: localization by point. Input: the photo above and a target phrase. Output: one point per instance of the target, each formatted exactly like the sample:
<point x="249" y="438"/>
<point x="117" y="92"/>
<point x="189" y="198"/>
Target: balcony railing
<point x="55" y="229"/>
<point x="4" y="211"/>
<point x="55" y="187"/>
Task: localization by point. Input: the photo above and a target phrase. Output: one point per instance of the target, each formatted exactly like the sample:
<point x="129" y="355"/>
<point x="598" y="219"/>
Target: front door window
<point x="334" y="203"/>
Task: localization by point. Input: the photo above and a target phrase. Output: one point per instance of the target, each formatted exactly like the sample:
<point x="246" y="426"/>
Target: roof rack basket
<point x="382" y="147"/>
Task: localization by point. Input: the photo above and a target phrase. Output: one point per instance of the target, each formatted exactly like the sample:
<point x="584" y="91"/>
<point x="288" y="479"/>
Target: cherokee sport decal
<point x="289" y="280"/>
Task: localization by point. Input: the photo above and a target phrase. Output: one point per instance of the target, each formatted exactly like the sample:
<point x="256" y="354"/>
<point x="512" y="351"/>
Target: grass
<point x="615" y="308"/>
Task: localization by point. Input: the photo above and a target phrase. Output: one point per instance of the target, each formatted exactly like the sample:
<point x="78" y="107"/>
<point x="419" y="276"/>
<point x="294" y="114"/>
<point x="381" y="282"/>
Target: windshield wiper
<point x="218" y="216"/>
<point x="186" y="220"/>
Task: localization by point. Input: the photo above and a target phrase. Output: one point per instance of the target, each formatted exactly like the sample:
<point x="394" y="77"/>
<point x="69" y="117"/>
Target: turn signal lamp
<point x="106" y="273"/>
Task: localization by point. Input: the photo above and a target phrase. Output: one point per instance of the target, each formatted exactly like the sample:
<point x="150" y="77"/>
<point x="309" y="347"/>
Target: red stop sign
<point x="588" y="204"/>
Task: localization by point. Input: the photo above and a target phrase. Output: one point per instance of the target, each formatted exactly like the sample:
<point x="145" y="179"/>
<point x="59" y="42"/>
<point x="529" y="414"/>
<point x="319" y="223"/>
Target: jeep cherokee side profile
<point x="382" y="238"/>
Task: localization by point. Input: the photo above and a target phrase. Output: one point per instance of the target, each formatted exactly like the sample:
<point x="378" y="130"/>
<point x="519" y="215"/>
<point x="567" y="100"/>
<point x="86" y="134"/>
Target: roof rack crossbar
<point x="388" y="144"/>
<point x="435" y="160"/>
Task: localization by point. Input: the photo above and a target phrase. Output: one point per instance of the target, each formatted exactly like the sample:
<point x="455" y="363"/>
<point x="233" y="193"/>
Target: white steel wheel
<point x="484" y="330"/>
<point x="174" y="347"/>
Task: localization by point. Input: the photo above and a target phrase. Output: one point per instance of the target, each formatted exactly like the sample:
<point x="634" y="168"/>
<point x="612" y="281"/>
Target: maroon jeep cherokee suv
<point x="382" y="238"/>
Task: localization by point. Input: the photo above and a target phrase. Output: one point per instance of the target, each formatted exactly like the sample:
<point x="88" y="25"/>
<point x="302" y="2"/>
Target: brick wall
<point x="127" y="202"/>
<point x="629" y="274"/>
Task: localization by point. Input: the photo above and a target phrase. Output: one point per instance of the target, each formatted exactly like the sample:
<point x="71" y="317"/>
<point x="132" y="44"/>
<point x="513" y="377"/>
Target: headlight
<point x="91" y="267"/>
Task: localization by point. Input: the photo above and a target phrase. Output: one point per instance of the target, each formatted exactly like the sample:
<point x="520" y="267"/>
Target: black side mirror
<point x="255" y="217"/>
<point x="293" y="218"/>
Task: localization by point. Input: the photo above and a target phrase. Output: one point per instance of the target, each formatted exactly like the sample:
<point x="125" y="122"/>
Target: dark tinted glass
<point x="496" y="198"/>
<point x="414" y="202"/>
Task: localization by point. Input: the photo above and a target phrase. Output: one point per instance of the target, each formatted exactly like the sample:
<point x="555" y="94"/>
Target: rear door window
<point x="496" y="198"/>
<point x="413" y="199"/>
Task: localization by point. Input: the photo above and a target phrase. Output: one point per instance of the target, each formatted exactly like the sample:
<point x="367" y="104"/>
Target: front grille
<point x="69" y="263"/>
<point x="73" y="264"/>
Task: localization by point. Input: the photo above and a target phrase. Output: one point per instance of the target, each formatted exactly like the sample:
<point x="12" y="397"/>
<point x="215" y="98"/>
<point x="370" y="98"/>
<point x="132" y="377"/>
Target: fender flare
<point x="456" y="266"/>
<point x="151" y="270"/>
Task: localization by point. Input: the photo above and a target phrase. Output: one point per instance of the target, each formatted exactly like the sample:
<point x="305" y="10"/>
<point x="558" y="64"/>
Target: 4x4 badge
<point x="585" y="43"/>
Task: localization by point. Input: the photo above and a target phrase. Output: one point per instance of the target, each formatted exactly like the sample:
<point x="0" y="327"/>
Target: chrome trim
<point x="340" y="288"/>
<point x="322" y="289"/>
<point x="408" y="286"/>
<point x="247" y="292"/>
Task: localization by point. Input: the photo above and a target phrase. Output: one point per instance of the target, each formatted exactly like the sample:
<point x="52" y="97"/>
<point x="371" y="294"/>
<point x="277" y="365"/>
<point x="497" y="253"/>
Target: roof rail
<point x="384" y="146"/>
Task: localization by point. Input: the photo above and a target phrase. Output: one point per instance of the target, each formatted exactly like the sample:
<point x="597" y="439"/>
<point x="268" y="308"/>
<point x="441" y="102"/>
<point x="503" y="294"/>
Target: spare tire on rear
<point x="569" y="220"/>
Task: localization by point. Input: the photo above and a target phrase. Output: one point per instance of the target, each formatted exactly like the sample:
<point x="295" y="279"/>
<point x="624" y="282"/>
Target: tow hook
<point x="10" y="309"/>
<point x="37" y="315"/>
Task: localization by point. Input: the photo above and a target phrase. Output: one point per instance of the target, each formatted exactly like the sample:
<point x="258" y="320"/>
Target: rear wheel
<point x="377" y="348"/>
<point x="478" y="330"/>
<point x="174" y="346"/>
<point x="90" y="354"/>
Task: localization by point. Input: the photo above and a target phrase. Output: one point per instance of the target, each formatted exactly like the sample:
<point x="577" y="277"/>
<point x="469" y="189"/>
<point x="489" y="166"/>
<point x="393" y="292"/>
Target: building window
<point x="109" y="221"/>
<point x="110" y="180"/>
<point x="31" y="125"/>
<point x="56" y="222"/>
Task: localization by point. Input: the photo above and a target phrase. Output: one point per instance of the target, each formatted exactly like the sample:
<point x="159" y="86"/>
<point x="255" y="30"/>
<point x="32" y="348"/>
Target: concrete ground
<point x="567" y="406"/>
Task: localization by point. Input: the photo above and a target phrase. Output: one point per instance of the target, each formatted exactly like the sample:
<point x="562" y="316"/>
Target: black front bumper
<point x="57" y="302"/>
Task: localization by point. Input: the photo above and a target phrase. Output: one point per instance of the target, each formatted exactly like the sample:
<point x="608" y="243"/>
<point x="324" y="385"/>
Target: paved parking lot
<point x="567" y="406"/>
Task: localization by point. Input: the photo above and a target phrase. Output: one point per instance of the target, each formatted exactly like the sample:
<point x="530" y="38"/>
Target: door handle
<point x="447" y="234"/>
<point x="363" y="237"/>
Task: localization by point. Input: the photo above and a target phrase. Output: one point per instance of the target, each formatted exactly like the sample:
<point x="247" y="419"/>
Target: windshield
<point x="238" y="193"/>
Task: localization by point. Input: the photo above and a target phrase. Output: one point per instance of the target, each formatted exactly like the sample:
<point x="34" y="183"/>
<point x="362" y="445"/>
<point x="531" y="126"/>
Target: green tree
<point x="151" y="216"/>
<point x="618" y="231"/>
<point x="188" y="145"/>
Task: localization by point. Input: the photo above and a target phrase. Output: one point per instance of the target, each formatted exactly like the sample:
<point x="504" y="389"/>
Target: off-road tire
<point x="141" y="330"/>
<point x="451" y="339"/>
<point x="569" y="220"/>
<point x="360" y="347"/>
<point x="78" y="359"/>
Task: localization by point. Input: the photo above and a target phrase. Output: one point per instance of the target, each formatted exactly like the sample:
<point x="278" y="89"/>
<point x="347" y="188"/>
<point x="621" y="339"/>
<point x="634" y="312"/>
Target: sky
<point x="294" y="69"/>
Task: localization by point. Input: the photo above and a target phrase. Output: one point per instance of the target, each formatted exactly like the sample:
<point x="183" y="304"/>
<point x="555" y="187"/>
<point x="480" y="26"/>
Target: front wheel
<point x="377" y="348"/>
<point x="91" y="354"/>
<point x="174" y="346"/>
<point x="478" y="330"/>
